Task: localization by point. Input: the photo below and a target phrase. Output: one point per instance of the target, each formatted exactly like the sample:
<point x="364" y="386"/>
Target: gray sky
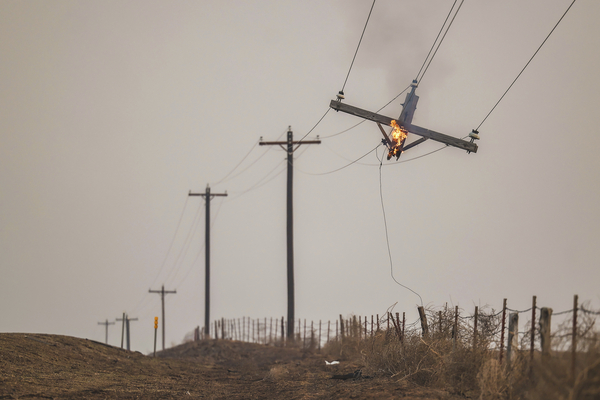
<point x="112" y="111"/>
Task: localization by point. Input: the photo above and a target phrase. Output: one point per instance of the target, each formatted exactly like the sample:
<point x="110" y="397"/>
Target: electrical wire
<point x="186" y="243"/>
<point x="172" y="241"/>
<point x="436" y="38"/>
<point x="528" y="62"/>
<point x="260" y="182"/>
<point x="357" y="47"/>
<point x="354" y="126"/>
<point x="341" y="168"/>
<point x="312" y="129"/>
<point x="387" y="239"/>
<point x="238" y="164"/>
<point x="441" y="40"/>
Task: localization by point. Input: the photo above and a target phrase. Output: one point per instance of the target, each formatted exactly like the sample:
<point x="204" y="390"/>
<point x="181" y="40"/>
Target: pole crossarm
<point x="293" y="142"/>
<point x="417" y="130"/>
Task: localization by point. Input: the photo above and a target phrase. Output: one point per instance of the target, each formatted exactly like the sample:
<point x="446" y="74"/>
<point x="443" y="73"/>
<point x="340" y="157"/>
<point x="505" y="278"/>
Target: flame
<point x="398" y="135"/>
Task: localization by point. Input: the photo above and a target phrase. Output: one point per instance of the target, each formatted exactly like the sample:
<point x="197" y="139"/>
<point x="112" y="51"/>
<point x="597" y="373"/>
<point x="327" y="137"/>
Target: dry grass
<point x="468" y="364"/>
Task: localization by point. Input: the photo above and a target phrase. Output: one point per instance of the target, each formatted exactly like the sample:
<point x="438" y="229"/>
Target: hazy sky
<point x="112" y="111"/>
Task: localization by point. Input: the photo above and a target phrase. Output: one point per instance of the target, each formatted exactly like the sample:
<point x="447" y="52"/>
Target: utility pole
<point x="125" y="329"/>
<point x="207" y="196"/>
<point x="106" y="324"/>
<point x="162" y="293"/>
<point x="290" y="221"/>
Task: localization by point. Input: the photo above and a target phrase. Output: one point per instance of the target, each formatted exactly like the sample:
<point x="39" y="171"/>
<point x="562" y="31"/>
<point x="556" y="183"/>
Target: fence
<point x="492" y="327"/>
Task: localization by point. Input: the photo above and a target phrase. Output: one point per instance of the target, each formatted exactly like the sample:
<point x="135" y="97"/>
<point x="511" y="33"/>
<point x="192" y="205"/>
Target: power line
<point x="345" y="166"/>
<point x="260" y="182"/>
<point x="312" y="129"/>
<point x="441" y="40"/>
<point x="354" y="126"/>
<point x="387" y="239"/>
<point x="528" y="62"/>
<point x="357" y="47"/>
<point x="238" y="164"/>
<point x="436" y="38"/>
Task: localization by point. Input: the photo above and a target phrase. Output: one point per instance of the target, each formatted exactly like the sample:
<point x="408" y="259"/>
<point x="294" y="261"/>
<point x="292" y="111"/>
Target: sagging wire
<point x="354" y="126"/>
<point x="528" y="62"/>
<point x="341" y="168"/>
<point x="387" y="238"/>
<point x="261" y="182"/>
<point x="436" y="38"/>
<point x="442" y="39"/>
<point x="357" y="47"/>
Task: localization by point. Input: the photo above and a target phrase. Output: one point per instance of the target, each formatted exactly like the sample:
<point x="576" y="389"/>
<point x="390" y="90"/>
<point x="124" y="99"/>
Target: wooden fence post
<point x="440" y="318"/>
<point x="328" y="326"/>
<point x="476" y="317"/>
<point x="532" y="348"/>
<point x="378" y="323"/>
<point x="545" y="316"/>
<point x="423" y="317"/>
<point x="319" y="346"/>
<point x="574" y="339"/>
<point x="341" y="328"/>
<point x="513" y="336"/>
<point x="455" y="329"/>
<point x="403" y="325"/>
<point x="503" y="329"/>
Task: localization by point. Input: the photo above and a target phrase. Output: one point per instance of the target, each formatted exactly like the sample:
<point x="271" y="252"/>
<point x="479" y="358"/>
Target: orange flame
<point x="398" y="135"/>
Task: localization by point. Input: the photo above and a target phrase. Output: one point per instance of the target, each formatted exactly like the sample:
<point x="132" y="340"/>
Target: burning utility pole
<point x="290" y="221"/>
<point x="403" y="125"/>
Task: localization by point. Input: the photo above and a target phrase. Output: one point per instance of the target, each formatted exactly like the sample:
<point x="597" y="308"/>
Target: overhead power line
<point x="526" y="65"/>
<point x="358" y="47"/>
<point x="442" y="39"/>
<point x="436" y="38"/>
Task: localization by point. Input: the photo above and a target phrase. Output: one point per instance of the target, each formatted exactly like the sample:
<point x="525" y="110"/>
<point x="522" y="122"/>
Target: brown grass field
<point x="40" y="366"/>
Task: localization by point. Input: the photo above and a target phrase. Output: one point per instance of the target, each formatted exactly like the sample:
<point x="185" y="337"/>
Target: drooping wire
<point x="354" y="126"/>
<point x="186" y="244"/>
<point x="387" y="238"/>
<point x="172" y="241"/>
<point x="341" y="168"/>
<point x="441" y="40"/>
<point x="436" y="38"/>
<point x="238" y="164"/>
<point x="261" y="182"/>
<point x="357" y="47"/>
<point x="528" y="62"/>
<point x="313" y="128"/>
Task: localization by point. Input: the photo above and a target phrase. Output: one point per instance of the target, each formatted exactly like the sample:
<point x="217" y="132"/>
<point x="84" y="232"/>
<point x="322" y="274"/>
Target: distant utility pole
<point x="207" y="196"/>
<point x="106" y="324"/>
<point x="162" y="292"/>
<point x="290" y="220"/>
<point x="126" y="320"/>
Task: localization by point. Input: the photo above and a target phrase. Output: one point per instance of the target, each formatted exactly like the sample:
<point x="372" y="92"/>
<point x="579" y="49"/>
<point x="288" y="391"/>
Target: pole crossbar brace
<point x="417" y="130"/>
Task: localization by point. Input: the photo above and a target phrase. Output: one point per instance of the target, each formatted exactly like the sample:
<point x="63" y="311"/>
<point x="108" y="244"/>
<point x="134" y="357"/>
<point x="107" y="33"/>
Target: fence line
<point x="442" y="322"/>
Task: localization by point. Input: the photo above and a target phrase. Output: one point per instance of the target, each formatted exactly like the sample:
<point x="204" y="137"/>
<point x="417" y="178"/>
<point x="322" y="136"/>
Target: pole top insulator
<point x="340" y="95"/>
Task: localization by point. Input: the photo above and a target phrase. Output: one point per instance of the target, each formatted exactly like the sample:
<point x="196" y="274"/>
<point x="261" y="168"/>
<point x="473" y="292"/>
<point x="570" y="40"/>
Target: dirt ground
<point x="61" y="367"/>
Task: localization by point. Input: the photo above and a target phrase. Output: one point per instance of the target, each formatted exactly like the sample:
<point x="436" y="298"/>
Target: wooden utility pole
<point x="162" y="293"/>
<point x="207" y="196"/>
<point x="290" y="221"/>
<point x="106" y="324"/>
<point x="126" y="320"/>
